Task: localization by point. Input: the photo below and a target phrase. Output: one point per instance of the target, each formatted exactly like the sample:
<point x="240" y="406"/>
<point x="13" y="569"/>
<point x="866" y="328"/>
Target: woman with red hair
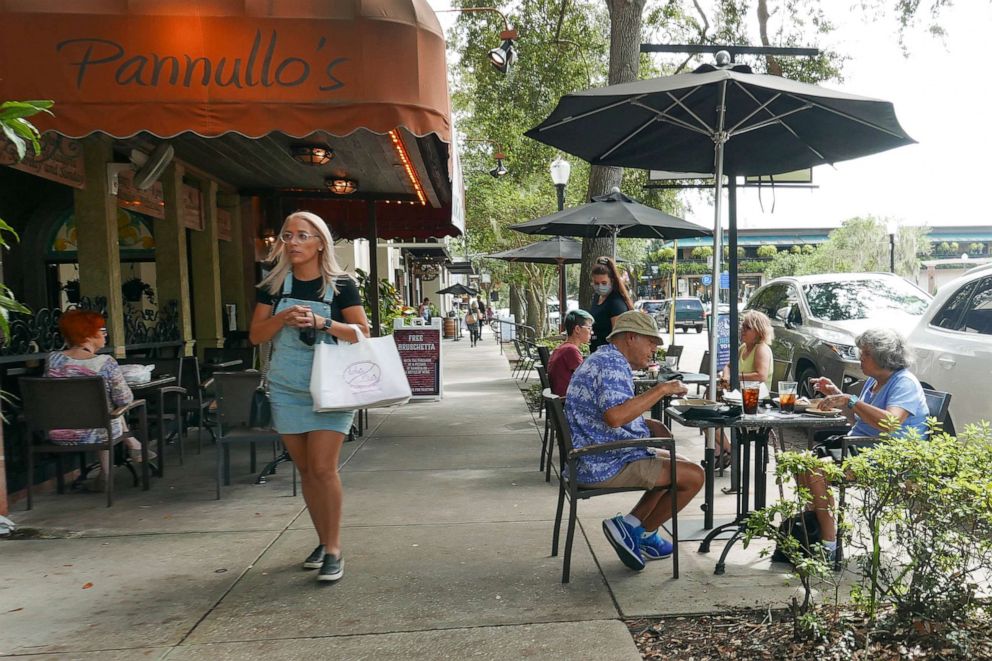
<point x="85" y="333"/>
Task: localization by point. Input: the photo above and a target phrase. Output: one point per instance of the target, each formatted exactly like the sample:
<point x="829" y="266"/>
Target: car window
<point x="949" y="316"/>
<point x="863" y="299"/>
<point x="688" y="305"/>
<point x="651" y="307"/>
<point x="978" y="319"/>
<point x="769" y="300"/>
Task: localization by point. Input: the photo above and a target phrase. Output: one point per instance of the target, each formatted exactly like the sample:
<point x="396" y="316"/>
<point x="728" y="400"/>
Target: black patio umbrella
<point x="722" y="120"/>
<point x="614" y="215"/>
<point x="558" y="250"/>
<point x="458" y="289"/>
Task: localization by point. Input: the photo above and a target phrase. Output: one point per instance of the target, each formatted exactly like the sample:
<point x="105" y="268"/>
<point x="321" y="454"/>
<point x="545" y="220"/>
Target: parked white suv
<point x="953" y="345"/>
<point x="817" y="317"/>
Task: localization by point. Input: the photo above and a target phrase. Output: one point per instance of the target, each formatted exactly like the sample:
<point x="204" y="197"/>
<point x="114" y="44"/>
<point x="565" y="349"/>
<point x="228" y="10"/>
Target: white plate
<point x="827" y="413"/>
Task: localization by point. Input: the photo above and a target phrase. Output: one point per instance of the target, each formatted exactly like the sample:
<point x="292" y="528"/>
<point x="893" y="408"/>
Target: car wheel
<point x="803" y="386"/>
<point x="699" y="329"/>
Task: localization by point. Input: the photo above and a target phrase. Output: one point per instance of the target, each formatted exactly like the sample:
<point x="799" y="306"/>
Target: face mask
<point x="603" y="290"/>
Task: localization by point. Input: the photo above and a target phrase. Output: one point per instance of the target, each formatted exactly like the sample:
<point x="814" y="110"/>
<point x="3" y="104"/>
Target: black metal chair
<point x="704" y="368"/>
<point x="235" y="391"/>
<point x="674" y="351"/>
<point x="158" y="402"/>
<point x="938" y="404"/>
<point x="544" y="356"/>
<point x="567" y="487"/>
<point x="548" y="440"/>
<point x="197" y="401"/>
<point x="214" y="355"/>
<point x="76" y="403"/>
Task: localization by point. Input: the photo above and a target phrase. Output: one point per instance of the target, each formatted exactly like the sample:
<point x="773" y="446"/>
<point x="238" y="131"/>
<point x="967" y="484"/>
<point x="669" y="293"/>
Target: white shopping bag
<point x="366" y="374"/>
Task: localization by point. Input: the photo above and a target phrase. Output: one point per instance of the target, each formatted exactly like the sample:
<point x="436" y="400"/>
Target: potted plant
<point x="71" y="289"/>
<point x="135" y="288"/>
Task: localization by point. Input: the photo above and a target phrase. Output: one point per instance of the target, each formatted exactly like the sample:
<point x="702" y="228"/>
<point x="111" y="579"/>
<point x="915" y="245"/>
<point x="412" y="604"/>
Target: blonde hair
<point x="758" y="321"/>
<point x="330" y="270"/>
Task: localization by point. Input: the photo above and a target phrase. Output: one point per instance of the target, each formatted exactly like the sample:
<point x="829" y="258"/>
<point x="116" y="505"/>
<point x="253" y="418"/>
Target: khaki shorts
<point x="641" y="473"/>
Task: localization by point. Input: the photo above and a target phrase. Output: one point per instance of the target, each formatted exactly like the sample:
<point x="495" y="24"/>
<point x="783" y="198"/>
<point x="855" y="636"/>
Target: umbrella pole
<point x="720" y="139"/>
<point x="562" y="301"/>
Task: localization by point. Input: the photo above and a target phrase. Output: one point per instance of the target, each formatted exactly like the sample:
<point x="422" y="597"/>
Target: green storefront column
<point x="233" y="262"/>
<point x="96" y="226"/>
<point x="171" y="264"/>
<point x="208" y="327"/>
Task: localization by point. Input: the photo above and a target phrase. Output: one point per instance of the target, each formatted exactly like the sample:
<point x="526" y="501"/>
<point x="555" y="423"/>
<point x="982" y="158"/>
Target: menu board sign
<point x="420" y="351"/>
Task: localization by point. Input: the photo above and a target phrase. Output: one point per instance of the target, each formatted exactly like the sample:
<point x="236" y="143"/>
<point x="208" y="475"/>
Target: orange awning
<point x="217" y="66"/>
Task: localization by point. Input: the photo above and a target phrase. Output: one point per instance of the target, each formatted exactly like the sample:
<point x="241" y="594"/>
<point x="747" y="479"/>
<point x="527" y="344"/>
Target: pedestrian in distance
<point x="308" y="298"/>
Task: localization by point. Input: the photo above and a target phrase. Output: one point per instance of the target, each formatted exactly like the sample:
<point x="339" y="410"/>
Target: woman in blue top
<point x="891" y="390"/>
<point x="305" y="299"/>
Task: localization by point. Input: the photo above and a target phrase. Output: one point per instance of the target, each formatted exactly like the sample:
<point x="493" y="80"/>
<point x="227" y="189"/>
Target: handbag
<point x="469" y="320"/>
<point x="261" y="408"/>
<point x="363" y="375"/>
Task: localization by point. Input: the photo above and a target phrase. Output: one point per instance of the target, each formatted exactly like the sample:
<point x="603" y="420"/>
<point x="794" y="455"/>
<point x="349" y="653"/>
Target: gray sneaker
<point x="316" y="559"/>
<point x="332" y="568"/>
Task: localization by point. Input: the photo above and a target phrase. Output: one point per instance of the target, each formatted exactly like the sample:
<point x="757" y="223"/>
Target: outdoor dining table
<point x="752" y="430"/>
<point x="160" y="386"/>
<point x="642" y="380"/>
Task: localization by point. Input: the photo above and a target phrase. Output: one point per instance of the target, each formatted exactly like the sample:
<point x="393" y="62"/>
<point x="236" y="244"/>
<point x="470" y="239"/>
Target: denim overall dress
<point x="289" y="373"/>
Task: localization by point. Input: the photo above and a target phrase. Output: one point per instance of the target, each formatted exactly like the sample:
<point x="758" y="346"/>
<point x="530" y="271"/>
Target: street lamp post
<point x="560" y="170"/>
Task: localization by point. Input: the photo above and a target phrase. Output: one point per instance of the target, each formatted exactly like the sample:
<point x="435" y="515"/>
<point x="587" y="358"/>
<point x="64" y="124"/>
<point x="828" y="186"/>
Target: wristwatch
<point x="327" y="323"/>
<point x="851" y="401"/>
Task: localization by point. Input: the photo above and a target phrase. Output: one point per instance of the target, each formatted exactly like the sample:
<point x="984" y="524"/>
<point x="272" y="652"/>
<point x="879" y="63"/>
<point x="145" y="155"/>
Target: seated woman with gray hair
<point x="891" y="390"/>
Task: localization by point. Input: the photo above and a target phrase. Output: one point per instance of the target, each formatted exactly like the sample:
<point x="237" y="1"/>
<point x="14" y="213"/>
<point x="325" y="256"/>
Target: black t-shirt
<point x="309" y="290"/>
<point x="602" y="315"/>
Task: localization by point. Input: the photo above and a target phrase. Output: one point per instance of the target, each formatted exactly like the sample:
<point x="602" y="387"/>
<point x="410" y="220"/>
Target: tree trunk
<point x="625" y="57"/>
<point x="533" y="312"/>
<point x="516" y="304"/>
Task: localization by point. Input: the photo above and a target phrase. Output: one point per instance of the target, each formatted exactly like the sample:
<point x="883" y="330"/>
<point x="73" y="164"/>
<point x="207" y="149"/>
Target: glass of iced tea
<point x="787" y="396"/>
<point x="750" y="391"/>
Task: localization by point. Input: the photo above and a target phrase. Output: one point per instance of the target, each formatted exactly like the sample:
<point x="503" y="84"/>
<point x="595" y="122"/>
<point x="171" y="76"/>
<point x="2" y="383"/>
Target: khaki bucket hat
<point x="635" y="321"/>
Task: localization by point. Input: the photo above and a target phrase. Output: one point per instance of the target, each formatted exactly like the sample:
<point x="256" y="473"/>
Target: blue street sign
<point x="725" y="280"/>
<point x="707" y="280"/>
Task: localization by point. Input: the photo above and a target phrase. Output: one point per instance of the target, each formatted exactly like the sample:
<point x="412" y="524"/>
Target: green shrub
<point x="931" y="501"/>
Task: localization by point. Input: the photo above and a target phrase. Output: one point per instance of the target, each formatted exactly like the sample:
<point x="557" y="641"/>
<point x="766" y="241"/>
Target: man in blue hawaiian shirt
<point x="602" y="408"/>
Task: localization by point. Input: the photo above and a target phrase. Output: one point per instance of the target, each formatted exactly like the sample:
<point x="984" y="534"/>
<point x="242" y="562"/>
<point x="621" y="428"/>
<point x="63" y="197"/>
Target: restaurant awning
<point x="232" y="81"/>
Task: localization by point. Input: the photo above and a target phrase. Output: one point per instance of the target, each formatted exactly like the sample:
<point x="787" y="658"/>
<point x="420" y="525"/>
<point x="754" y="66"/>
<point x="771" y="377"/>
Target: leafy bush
<point x="767" y="251"/>
<point x="932" y="501"/>
<point x="920" y="527"/>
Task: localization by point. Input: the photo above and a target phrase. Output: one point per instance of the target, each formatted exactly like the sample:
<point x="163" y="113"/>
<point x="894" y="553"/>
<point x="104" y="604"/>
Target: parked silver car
<point x="817" y="317"/>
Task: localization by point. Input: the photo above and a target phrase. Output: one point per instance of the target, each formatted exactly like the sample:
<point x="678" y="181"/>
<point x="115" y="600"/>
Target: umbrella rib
<point x="630" y="136"/>
<point x="572" y="118"/>
<point x="850" y="117"/>
<point x="776" y="119"/>
<point x="663" y="116"/>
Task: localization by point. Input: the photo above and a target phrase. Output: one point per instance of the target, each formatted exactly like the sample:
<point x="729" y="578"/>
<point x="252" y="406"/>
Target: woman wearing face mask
<point x="609" y="301"/>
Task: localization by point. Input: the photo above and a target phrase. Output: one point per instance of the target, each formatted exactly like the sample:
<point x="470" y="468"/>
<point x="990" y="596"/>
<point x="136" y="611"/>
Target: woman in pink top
<point x="567" y="357"/>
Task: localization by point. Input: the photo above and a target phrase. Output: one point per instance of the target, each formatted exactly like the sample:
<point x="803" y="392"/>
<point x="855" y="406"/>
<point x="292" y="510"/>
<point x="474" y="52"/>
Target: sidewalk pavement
<point x="446" y="537"/>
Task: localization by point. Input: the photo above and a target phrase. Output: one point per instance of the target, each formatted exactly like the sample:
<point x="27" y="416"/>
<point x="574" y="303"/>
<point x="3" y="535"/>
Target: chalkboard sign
<point x="420" y="351"/>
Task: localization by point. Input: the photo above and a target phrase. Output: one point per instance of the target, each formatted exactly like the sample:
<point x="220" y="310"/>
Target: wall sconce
<point x="268" y="237"/>
<point x="503" y="56"/>
<point x="313" y="155"/>
<point x="341" y="185"/>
